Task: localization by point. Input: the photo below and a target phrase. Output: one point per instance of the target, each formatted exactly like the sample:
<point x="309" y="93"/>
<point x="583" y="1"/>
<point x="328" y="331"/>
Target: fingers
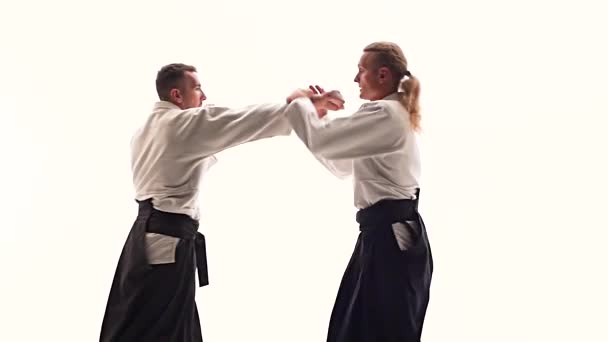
<point x="324" y="101"/>
<point x="316" y="89"/>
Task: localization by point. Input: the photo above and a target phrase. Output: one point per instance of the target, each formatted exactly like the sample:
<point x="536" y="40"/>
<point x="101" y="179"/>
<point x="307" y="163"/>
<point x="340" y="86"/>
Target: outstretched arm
<point x="211" y="129"/>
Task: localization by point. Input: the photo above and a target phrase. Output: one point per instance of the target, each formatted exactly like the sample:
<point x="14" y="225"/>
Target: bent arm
<point x="370" y="131"/>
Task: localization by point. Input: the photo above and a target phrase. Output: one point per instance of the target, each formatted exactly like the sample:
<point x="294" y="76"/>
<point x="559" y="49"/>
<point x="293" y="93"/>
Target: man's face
<point x="190" y="93"/>
<point x="368" y="78"/>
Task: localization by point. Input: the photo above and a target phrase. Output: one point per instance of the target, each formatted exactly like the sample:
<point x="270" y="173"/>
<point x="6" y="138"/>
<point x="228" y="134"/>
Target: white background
<point x="514" y="112"/>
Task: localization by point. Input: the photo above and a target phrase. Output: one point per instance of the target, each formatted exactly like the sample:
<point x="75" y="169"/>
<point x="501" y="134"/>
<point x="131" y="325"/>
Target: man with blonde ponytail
<point x="384" y="293"/>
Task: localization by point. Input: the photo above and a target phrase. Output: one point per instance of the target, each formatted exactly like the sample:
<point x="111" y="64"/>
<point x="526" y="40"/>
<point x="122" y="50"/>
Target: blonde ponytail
<point x="390" y="55"/>
<point x="409" y="94"/>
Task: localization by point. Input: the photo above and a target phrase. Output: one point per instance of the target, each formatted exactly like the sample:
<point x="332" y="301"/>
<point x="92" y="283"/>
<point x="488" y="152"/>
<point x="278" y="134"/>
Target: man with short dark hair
<point x="170" y="82"/>
<point x="152" y="297"/>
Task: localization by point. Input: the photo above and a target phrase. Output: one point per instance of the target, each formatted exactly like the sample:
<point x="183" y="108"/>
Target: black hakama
<point x="156" y="302"/>
<point x="384" y="293"/>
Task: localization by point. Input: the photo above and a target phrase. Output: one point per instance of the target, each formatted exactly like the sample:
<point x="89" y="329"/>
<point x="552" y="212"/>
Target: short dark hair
<point x="169" y="77"/>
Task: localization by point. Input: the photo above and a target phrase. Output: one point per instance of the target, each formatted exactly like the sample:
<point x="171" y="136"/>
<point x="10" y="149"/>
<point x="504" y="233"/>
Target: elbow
<point x="342" y="175"/>
<point x="326" y="152"/>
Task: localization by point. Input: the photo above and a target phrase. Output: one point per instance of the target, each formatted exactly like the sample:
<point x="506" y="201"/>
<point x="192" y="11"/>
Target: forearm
<point x="259" y="122"/>
<point x="214" y="129"/>
<point x="370" y="131"/>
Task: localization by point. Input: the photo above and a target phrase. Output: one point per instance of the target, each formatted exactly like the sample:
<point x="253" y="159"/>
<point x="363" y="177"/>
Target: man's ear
<point x="383" y="74"/>
<point x="176" y="95"/>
